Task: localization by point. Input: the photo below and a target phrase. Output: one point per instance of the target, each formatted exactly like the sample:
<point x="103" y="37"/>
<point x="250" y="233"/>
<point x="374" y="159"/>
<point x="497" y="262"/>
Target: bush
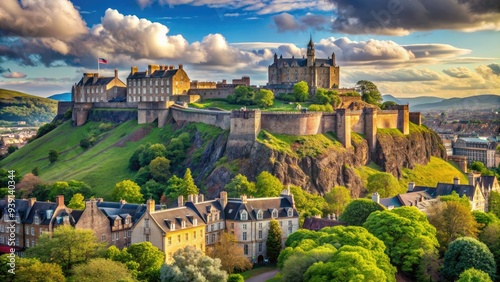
<point x="53" y="156"/>
<point x="35" y="171"/>
<point x="289" y="97"/>
<point x="235" y="278"/>
<point x="12" y="149"/>
<point x="46" y="128"/>
<point x="320" y="108"/>
<point x="85" y="143"/>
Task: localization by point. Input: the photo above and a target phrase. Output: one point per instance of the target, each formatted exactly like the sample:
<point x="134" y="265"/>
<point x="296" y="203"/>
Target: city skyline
<point x="408" y="48"/>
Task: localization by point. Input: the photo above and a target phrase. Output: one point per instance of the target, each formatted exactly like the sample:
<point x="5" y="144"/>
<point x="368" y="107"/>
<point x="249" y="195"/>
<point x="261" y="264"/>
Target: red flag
<point x="103" y="61"/>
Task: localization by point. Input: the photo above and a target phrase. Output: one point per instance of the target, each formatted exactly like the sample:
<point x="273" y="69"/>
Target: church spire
<point x="311" y="43"/>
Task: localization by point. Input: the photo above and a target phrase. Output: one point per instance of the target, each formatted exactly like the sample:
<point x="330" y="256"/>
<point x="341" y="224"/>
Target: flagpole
<point x="97" y="65"/>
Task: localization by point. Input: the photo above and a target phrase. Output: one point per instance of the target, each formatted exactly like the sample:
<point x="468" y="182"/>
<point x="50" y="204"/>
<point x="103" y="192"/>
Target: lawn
<point x="257" y="271"/>
<point x="223" y="104"/>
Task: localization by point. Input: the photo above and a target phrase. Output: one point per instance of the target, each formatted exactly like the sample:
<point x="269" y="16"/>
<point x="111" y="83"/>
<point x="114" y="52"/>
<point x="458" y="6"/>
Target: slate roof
<point x="313" y="223"/>
<point x="40" y="209"/>
<point x="266" y="205"/>
<point x="202" y="208"/>
<point x="118" y="209"/>
<point x="300" y="62"/>
<point x="155" y="74"/>
<point x="165" y="218"/>
<point x="443" y="189"/>
<point x="100" y="81"/>
<point x="22" y="207"/>
<point x="486" y="183"/>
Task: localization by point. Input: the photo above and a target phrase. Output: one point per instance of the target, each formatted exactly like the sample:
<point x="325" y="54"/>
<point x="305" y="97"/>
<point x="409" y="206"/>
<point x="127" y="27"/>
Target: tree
<point x="127" y="190"/>
<point x="31" y="269"/>
<point x="474" y="275"/>
<point x="236" y="278"/>
<point x="28" y="184"/>
<point x="35" y="171"/>
<point x="484" y="218"/>
<point x="481" y="168"/>
<point x="159" y="168"/>
<point x="454" y="197"/>
<point x="267" y="185"/>
<point x="190" y="264"/>
<point x="153" y="189"/>
<point x="148" y="259"/>
<point x="77" y="202"/>
<point x="326" y="97"/>
<point x="174" y="187"/>
<point x="229" y="253"/>
<point x="297" y="263"/>
<point x="100" y="269"/>
<point x="150" y="153"/>
<point x="383" y="183"/>
<point x="452" y="220"/>
<point x="337" y="199"/>
<point x="264" y="98"/>
<point x="301" y="91"/>
<point x="307" y="203"/>
<point x="465" y="253"/>
<point x="357" y="211"/>
<point x="490" y="236"/>
<point x="273" y="243"/>
<point x="243" y="95"/>
<point x="406" y="233"/>
<point x="53" y="156"/>
<point x="387" y="105"/>
<point x="369" y="92"/>
<point x="494" y="203"/>
<point x="188" y="187"/>
<point x="240" y="185"/>
<point x="85" y="143"/>
<point x="66" y="246"/>
<point x="134" y="163"/>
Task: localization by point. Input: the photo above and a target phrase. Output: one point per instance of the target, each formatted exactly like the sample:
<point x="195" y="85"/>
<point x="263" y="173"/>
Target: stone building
<point x="476" y="149"/>
<point x="318" y="73"/>
<point x="157" y="84"/>
<point x="95" y="88"/>
<point x="212" y="214"/>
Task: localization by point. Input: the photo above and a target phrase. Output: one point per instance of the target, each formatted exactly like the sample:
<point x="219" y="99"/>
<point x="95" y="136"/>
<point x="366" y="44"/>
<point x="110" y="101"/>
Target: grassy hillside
<point x="101" y="166"/>
<point x="17" y="106"/>
<point x="223" y="104"/>
<point x="437" y="170"/>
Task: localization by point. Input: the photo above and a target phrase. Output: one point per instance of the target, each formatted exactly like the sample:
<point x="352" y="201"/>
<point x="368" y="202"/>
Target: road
<point x="263" y="277"/>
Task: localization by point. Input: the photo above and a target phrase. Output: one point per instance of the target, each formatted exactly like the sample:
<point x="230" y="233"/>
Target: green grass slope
<point x="101" y="166"/>
<point x="437" y="170"/>
<point x="18" y="106"/>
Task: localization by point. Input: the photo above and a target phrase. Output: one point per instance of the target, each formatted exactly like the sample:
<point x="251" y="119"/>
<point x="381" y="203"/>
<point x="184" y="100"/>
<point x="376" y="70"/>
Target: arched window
<point x="244" y="215"/>
<point x="259" y="214"/>
<point x="275" y="213"/>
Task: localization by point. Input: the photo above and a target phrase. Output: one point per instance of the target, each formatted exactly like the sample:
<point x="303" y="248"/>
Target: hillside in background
<point x="475" y="102"/>
<point x="16" y="106"/>
<point x="412" y="101"/>
<point x="61" y="97"/>
<point x="316" y="162"/>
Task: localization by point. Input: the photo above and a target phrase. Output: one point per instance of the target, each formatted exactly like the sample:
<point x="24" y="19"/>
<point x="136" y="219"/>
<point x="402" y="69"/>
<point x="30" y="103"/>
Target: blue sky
<point x="409" y="48"/>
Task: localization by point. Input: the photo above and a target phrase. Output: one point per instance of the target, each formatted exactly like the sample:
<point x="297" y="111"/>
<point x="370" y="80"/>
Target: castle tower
<point x="334" y="64"/>
<point x="310" y="53"/>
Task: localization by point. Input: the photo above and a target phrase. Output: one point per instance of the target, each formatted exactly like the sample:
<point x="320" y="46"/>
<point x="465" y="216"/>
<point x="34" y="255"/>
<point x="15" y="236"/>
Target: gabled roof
<point x="165" y="218"/>
<point x="40" y="209"/>
<point x="155" y="74"/>
<point x="444" y="189"/>
<point x="202" y="209"/>
<point x="486" y="183"/>
<point x="22" y="207"/>
<point x="90" y="81"/>
<point x="121" y="210"/>
<point x="281" y="204"/>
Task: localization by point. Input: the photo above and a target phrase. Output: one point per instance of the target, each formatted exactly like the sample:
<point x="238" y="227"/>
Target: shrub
<point x="53" y="156"/>
<point x="85" y="143"/>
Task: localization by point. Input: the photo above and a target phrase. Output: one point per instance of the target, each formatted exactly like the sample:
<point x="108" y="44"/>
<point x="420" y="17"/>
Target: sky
<point x="408" y="48"/>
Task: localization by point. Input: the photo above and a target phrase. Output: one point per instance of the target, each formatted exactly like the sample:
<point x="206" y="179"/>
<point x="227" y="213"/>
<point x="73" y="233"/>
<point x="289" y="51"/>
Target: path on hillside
<point x="263" y="277"/>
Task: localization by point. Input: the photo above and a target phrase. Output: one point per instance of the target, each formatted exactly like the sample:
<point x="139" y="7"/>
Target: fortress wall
<point x="212" y="93"/>
<point x="416" y="118"/>
<point x="81" y="113"/>
<point x="220" y="119"/>
<point x="115" y="105"/>
<point x="245" y="126"/>
<point x="328" y="122"/>
<point x="62" y="107"/>
<point x="292" y="123"/>
<point x="387" y="119"/>
<point x="357" y="122"/>
<point x="191" y="98"/>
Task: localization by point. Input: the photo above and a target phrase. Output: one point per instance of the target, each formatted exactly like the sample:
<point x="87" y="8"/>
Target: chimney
<point x="32" y="201"/>
<point x="60" y="200"/>
<point x="171" y="67"/>
<point x="456" y="181"/>
<point x="190" y="198"/>
<point x="411" y="186"/>
<point x="122" y="202"/>
<point x="96" y="77"/>
<point x="180" y="201"/>
<point x="471" y="179"/>
<point x="244" y="199"/>
<point x="223" y="199"/>
<point x="181" y="66"/>
<point x="376" y="198"/>
<point x="116" y="73"/>
<point x="133" y="70"/>
<point x="150" y="206"/>
<point x="201" y="198"/>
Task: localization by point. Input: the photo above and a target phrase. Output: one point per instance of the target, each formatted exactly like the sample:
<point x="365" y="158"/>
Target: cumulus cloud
<point x="460" y="72"/>
<point x="14" y="74"/>
<point x="400" y="75"/>
<point x="41" y="18"/>
<point x="400" y="17"/>
<point x="286" y="22"/>
<point x="495" y="68"/>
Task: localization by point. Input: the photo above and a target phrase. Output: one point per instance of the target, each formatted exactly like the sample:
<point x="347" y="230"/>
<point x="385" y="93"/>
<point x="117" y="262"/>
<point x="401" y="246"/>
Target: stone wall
<point x="387" y="119"/>
<point x="215" y="118"/>
<point x="292" y="123"/>
<point x="62" y="107"/>
<point x="416" y="118"/>
<point x="357" y="121"/>
<point x="115" y="105"/>
<point x="81" y="113"/>
<point x="212" y="93"/>
<point x="328" y="122"/>
<point x="148" y="112"/>
<point x="191" y="98"/>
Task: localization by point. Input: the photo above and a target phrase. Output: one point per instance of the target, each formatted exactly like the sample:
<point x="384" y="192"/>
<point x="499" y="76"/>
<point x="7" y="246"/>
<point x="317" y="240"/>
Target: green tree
<point x="77" y="202"/>
<point x="454" y="197"/>
<point x="100" y="269"/>
<point x="301" y="91"/>
<point x="66" y="246"/>
<point x="465" y="253"/>
<point x="174" y="187"/>
<point x="152" y="189"/>
<point x="357" y="211"/>
<point x="474" y="275"/>
<point x="128" y="191"/>
<point x="229" y="253"/>
<point x="11" y="149"/>
<point x="235" y="277"/>
<point x="337" y="199"/>
<point x="188" y="187"/>
<point x="85" y="143"/>
<point x="306" y="202"/>
<point x="387" y="105"/>
<point x="267" y="185"/>
<point x="406" y="233"/>
<point x="243" y="95"/>
<point x="264" y="98"/>
<point x="35" y="171"/>
<point x="148" y="258"/>
<point x="150" y="153"/>
<point x="490" y="236"/>
<point x="176" y="149"/>
<point x="160" y="169"/>
<point x="190" y="264"/>
<point x="324" y="97"/>
<point x="494" y="203"/>
<point x="134" y="163"/>
<point x="240" y="185"/>
<point x="452" y="220"/>
<point x="484" y="218"/>
<point x="53" y="156"/>
<point x="369" y="92"/>
<point x="31" y="269"/>
<point x="273" y="243"/>
<point x="297" y="264"/>
<point x="383" y="183"/>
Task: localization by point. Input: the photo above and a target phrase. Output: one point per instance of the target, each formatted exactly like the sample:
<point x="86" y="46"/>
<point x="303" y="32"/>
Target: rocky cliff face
<point x="221" y="160"/>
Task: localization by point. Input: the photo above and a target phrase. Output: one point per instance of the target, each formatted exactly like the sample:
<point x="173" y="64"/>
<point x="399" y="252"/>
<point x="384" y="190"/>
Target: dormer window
<point x="275" y="213"/>
<point x="127" y="220"/>
<point x="244" y="215"/>
<point x="183" y="224"/>
<point x="37" y="219"/>
<point x="195" y="222"/>
<point x="172" y="227"/>
<point x="290" y="212"/>
<point x="18" y="219"/>
<point x="259" y="214"/>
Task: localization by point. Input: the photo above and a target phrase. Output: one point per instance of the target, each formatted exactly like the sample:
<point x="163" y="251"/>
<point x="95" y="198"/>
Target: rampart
<point x="215" y="118"/>
<point x="292" y="123"/>
<point x="212" y="93"/>
<point x="63" y="107"/>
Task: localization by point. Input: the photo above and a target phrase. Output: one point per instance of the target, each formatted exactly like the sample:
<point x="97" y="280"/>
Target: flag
<point x="103" y="61"/>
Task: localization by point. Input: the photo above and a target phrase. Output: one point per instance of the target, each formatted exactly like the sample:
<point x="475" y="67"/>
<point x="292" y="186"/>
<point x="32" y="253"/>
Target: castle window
<point x="187" y="237"/>
<point x="243" y="215"/>
<point x="259" y="214"/>
<point x="150" y="82"/>
<point x="275" y="213"/>
<point x="169" y="240"/>
<point x="244" y="236"/>
<point x="290" y="212"/>
<point x="162" y="82"/>
<point x="156" y="90"/>
<point x="162" y="90"/>
<point x="32" y="231"/>
<point x="37" y="219"/>
<point x="172" y="227"/>
<point x="103" y="238"/>
<point x="245" y="249"/>
<point x="156" y="82"/>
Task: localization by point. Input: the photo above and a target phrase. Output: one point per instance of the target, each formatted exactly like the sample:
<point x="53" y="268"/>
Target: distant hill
<point x="61" y="97"/>
<point x="486" y="101"/>
<point x="17" y="106"/>
<point x="412" y="101"/>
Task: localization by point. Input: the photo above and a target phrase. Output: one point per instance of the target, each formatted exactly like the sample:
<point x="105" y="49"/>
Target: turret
<point x="310" y="53"/>
<point x="334" y="64"/>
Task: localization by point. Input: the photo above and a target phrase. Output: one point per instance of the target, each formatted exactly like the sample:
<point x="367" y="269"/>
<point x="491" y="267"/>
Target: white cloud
<point x="14" y="74"/>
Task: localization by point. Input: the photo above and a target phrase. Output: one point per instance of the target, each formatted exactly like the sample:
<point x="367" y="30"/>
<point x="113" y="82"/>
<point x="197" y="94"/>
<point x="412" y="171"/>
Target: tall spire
<point x="311" y="43"/>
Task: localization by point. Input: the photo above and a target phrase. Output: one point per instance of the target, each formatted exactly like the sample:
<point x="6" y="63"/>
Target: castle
<point x="153" y="94"/>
